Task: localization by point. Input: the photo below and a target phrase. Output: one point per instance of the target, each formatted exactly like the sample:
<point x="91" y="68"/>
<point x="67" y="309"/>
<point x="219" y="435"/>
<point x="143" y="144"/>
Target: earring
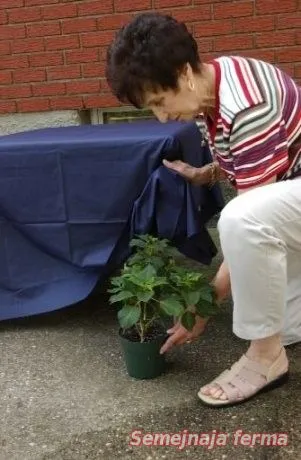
<point x="191" y="85"/>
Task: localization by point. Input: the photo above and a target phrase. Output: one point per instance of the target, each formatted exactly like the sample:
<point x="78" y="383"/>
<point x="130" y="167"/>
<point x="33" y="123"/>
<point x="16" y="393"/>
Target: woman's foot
<point x="263" y="363"/>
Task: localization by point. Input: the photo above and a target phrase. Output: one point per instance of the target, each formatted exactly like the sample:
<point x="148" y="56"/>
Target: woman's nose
<point x="161" y="115"/>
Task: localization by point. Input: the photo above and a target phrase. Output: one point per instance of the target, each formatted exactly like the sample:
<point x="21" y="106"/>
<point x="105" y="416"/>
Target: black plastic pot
<point x="143" y="359"/>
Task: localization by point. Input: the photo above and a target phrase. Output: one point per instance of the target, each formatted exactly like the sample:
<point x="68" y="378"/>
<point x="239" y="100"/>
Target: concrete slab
<point x="65" y="393"/>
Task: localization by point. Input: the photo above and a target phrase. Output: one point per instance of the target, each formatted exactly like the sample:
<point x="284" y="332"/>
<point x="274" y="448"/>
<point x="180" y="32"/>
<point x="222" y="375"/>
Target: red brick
<point x="206" y="57"/>
<point x="298" y="71"/>
<point x="254" y="24"/>
<point x="102" y="50"/>
<point x="46" y="59"/>
<point x="265" y="55"/>
<point x="49" y="89"/>
<point x="4" y="48"/>
<point x="40" y="2"/>
<point x="13" y="32"/>
<point x="94" y="69"/>
<point x="62" y="43"/>
<point x="101" y="101"/>
<point x="64" y="72"/>
<point x="7" y="106"/>
<point x="205" y="46"/>
<point x="11" y="4"/>
<point x="235" y="42"/>
<point x="192" y="14"/>
<point x="104" y="85"/>
<point x="15" y="91"/>
<point x="83" y="87"/>
<point x="273" y="39"/>
<point x="43" y="29"/>
<point x="101" y="38"/>
<point x="201" y="2"/>
<point x="288" y="68"/>
<point x="113" y="21"/>
<point x="233" y="10"/>
<point x="13" y="62"/>
<point x="83" y="55"/>
<point x="5" y="77"/>
<point x="33" y="105"/>
<point x="3" y="17"/>
<point x="289" y="54"/>
<point x="168" y="3"/>
<point x="24" y="15"/>
<point x="27" y="76"/>
<point x="59" y="11"/>
<point x="28" y="45"/>
<point x="275" y="6"/>
<point x="78" y="25"/>
<point x="66" y="102"/>
<point x="95" y="7"/>
<point x="132" y="5"/>
<point x="298" y="40"/>
<point x="289" y="21"/>
<point x="208" y="29"/>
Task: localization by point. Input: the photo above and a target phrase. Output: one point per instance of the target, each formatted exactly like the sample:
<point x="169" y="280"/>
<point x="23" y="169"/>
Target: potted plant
<point x="155" y="286"/>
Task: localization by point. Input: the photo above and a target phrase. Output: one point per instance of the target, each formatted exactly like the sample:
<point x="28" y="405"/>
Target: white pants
<point x="260" y="233"/>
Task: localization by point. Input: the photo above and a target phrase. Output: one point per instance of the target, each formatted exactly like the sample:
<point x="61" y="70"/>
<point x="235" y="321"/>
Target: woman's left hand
<point x="179" y="335"/>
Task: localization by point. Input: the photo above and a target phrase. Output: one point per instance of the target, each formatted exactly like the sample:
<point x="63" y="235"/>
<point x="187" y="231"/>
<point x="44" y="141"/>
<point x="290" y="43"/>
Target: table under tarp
<point x="71" y="199"/>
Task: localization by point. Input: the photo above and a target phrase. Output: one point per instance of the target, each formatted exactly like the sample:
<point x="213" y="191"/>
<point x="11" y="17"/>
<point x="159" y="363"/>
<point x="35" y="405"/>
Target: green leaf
<point x="123" y="295"/>
<point x="206" y="309"/>
<point x="148" y="272"/>
<point x="117" y="281"/>
<point x="157" y="262"/>
<point x="206" y="294"/>
<point x="188" y="320"/>
<point x="192" y="297"/>
<point x="137" y="243"/>
<point x="128" y="316"/>
<point x="144" y="296"/>
<point x="160" y="281"/>
<point x="114" y="290"/>
<point x="172" y="307"/>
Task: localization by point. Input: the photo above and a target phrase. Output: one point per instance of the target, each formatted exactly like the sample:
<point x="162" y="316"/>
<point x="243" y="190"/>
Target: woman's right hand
<point x="196" y="176"/>
<point x="221" y="283"/>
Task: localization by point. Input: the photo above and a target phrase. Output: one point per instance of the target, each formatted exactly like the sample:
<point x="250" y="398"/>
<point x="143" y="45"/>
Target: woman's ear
<point x="189" y="76"/>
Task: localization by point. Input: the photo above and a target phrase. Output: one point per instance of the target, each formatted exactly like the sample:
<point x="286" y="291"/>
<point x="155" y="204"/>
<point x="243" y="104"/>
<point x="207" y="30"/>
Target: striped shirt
<point x="256" y="133"/>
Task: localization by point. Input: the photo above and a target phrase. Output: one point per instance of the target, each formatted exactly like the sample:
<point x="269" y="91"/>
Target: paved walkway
<point x="65" y="394"/>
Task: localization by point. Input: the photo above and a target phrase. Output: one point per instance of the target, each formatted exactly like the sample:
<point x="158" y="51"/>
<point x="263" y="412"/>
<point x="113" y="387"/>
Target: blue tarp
<point x="71" y="198"/>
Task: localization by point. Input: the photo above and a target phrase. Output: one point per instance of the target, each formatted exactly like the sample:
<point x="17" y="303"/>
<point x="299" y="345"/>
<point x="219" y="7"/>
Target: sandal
<point x="247" y="378"/>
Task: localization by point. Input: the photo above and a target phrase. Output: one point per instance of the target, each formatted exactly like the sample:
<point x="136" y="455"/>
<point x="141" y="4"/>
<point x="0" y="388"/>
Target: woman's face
<point x="173" y="105"/>
<point x="183" y="104"/>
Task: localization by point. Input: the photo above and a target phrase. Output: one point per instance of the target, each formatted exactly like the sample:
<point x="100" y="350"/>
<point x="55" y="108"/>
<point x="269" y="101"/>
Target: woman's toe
<point x="205" y="390"/>
<point x="216" y="393"/>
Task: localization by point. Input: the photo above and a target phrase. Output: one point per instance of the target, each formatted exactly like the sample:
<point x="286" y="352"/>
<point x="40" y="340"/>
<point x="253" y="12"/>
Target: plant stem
<point x="141" y="331"/>
<point x="151" y="321"/>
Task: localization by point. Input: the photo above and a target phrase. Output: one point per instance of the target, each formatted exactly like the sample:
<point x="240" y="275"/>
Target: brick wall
<point x="52" y="52"/>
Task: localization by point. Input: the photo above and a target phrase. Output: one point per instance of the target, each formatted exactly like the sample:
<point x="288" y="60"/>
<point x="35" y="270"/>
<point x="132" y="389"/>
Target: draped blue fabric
<point x="71" y="198"/>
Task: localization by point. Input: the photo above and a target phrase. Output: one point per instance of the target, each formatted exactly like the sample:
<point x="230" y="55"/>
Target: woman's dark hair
<point x="148" y="54"/>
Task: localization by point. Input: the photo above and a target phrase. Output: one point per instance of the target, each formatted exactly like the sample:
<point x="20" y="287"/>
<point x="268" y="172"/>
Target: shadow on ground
<point x="65" y="394"/>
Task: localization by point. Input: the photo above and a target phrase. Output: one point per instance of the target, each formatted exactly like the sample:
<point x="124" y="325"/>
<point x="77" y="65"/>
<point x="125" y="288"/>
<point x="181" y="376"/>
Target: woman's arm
<point x="207" y="175"/>
<point x="221" y="283"/>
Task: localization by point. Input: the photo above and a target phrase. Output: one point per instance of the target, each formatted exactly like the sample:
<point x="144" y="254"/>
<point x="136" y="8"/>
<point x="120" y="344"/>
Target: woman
<point x="253" y="113"/>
